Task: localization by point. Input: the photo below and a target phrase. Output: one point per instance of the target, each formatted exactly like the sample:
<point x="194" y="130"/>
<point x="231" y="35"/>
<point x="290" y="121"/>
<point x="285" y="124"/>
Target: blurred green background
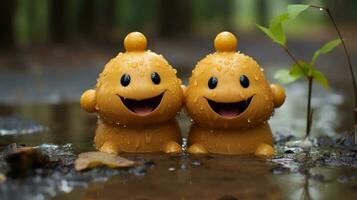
<point x="38" y="22"/>
<point x="53" y="50"/>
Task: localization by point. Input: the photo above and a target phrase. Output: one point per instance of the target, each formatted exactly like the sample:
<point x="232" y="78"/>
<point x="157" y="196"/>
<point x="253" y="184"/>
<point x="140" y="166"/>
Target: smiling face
<point x="138" y="88"/>
<point x="228" y="90"/>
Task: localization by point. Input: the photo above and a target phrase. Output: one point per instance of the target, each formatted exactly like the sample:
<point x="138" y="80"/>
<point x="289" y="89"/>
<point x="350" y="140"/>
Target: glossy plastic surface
<point x="230" y="101"/>
<point x="137" y="90"/>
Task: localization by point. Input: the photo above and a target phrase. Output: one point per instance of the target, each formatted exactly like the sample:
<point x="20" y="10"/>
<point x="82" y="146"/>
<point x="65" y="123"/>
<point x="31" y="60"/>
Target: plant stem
<point x="308" y="114"/>
<point x="347" y="56"/>
<point x="295" y="60"/>
<point x="310" y="80"/>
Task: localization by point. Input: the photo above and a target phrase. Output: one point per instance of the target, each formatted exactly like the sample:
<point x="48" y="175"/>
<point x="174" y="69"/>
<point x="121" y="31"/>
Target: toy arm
<point x="278" y="94"/>
<point x="88" y="102"/>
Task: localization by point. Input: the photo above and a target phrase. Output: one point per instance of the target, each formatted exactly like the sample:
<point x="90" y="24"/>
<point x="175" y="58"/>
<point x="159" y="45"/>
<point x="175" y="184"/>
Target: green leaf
<point x="266" y="31"/>
<point x="278" y="20"/>
<point x="276" y="28"/>
<point x="295" y="9"/>
<point x="329" y="46"/>
<point x="320" y="77"/>
<point x="284" y="76"/>
<point x="301" y="69"/>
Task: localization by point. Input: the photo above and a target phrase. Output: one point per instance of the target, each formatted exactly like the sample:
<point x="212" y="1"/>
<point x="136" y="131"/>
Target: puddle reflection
<point x="188" y="177"/>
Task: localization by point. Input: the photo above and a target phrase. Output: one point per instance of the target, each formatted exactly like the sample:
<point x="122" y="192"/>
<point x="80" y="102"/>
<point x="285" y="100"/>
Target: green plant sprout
<point x="302" y="69"/>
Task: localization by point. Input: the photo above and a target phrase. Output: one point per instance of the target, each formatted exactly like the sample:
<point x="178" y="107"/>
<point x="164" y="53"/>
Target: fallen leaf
<point x="21" y="159"/>
<point x="93" y="159"/>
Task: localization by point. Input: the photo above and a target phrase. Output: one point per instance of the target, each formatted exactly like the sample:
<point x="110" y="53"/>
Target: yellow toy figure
<point x="230" y="101"/>
<point x="137" y="97"/>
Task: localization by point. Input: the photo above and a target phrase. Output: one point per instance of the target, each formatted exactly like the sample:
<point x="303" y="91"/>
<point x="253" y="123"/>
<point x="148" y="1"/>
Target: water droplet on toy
<point x="195" y="83"/>
<point x="148" y="138"/>
<point x="248" y="120"/>
<point x="321" y="9"/>
<point x="137" y="146"/>
<point x="192" y="121"/>
<point x="262" y="69"/>
<point x="256" y="78"/>
<point x="229" y="148"/>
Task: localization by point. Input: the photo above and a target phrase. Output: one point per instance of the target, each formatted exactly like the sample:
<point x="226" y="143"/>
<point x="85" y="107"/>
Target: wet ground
<point x="41" y="106"/>
<point x="326" y="172"/>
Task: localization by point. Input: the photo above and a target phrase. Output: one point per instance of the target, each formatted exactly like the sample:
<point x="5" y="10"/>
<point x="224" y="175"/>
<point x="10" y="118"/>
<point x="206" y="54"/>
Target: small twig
<point x="319" y="7"/>
<point x="295" y="60"/>
<point x="309" y="114"/>
<point x="346" y="53"/>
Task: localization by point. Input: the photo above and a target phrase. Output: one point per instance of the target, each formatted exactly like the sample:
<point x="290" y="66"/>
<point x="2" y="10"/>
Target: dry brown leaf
<point x="93" y="159"/>
<point x="21" y="159"/>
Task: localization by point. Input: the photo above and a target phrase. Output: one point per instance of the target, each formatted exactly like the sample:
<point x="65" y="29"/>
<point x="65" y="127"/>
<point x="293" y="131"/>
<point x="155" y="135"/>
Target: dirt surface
<point x="327" y="170"/>
<point x="39" y="108"/>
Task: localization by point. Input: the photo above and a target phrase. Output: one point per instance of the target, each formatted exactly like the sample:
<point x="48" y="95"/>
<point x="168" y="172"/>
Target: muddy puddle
<point x="63" y="130"/>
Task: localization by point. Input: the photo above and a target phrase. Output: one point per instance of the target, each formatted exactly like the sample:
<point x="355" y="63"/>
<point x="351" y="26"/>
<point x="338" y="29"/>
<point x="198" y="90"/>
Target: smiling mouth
<point x="142" y="107"/>
<point x="230" y="110"/>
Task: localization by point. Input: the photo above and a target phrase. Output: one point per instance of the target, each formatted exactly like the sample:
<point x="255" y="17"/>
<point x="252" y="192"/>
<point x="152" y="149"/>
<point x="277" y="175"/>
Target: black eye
<point x="125" y="80"/>
<point x="212" y="82"/>
<point x="155" y="77"/>
<point x="244" y="81"/>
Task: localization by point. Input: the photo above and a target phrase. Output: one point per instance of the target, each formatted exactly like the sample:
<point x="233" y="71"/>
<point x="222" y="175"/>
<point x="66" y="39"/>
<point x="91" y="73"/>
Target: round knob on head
<point x="225" y="41"/>
<point x="135" y="41"/>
